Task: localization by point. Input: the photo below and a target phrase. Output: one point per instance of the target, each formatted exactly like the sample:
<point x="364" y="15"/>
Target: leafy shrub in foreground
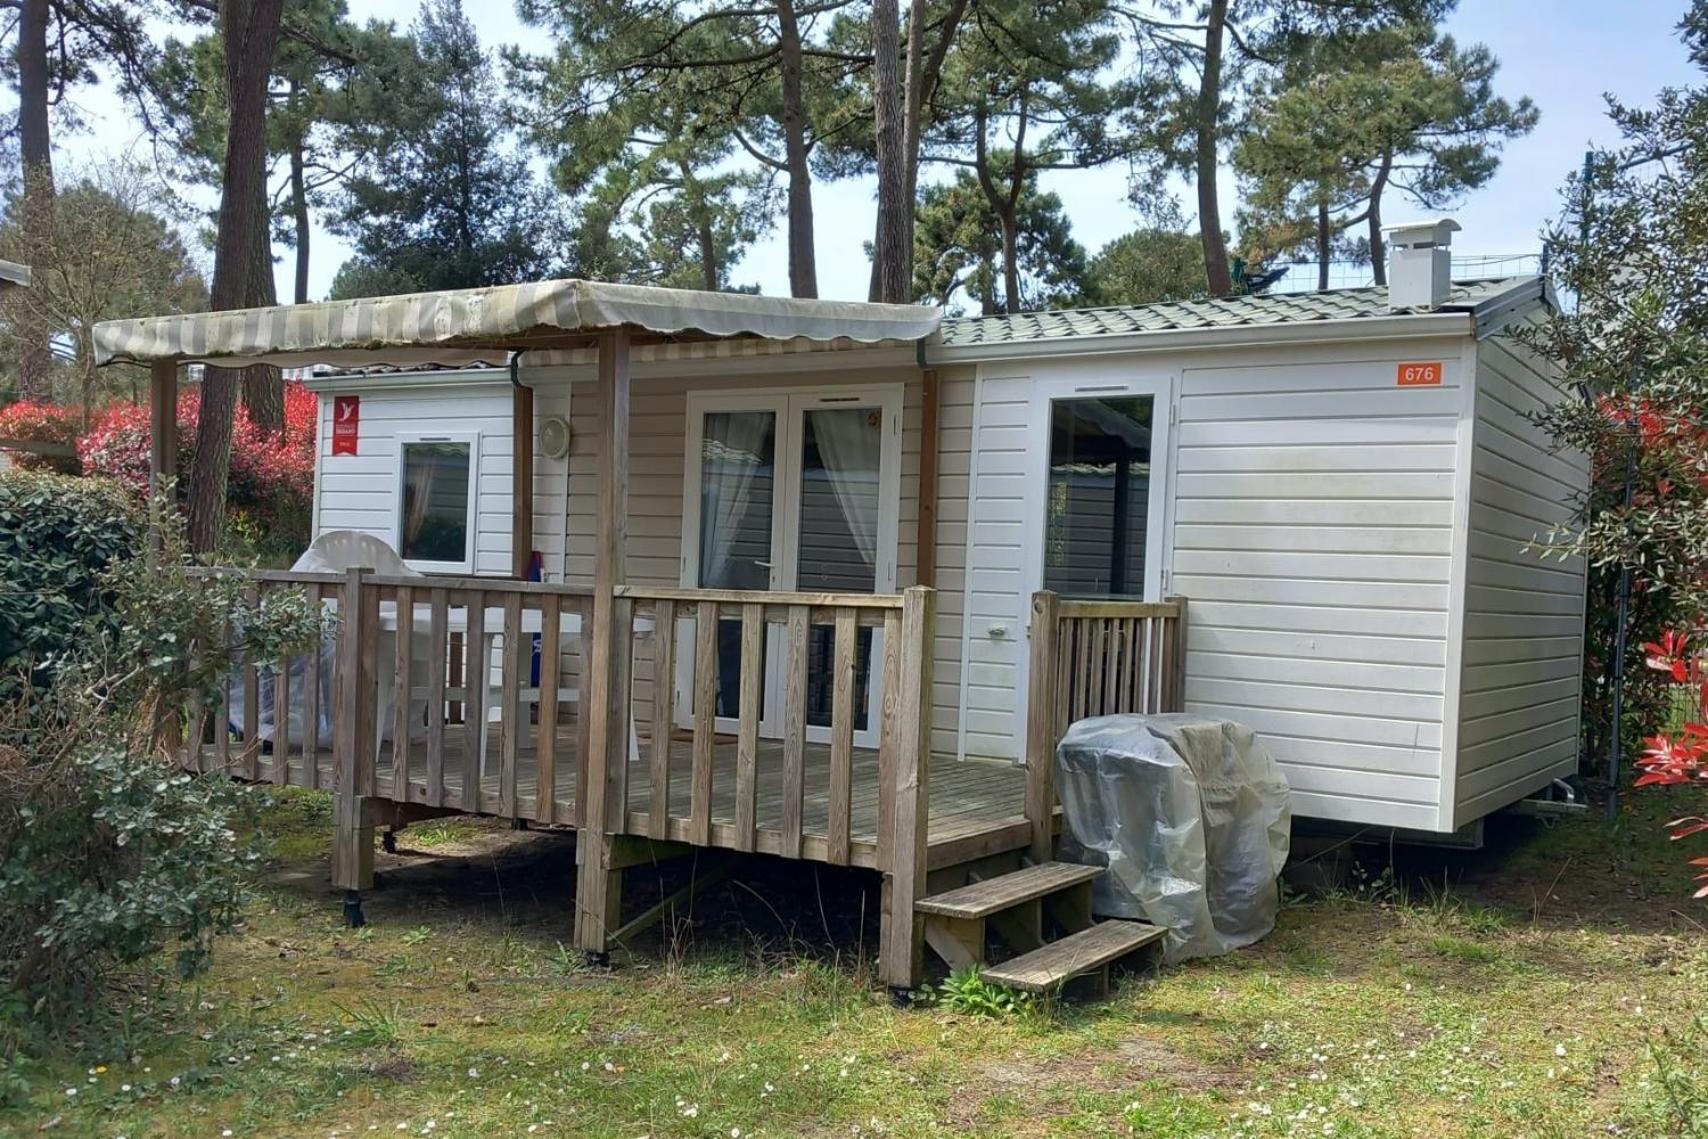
<point x="59" y="537"/>
<point x="108" y="852"/>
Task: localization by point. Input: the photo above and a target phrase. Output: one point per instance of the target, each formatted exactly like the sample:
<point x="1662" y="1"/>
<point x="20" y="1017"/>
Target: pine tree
<point x="446" y="203"/>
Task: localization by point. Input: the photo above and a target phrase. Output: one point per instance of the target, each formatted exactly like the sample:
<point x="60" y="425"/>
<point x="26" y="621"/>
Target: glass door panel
<point x="1096" y="509"/>
<point x="790" y="491"/>
<point x="738" y="464"/>
<point x="840" y="490"/>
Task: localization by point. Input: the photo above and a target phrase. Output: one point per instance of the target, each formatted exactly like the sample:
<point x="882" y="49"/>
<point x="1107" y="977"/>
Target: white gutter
<point x="1398" y="327"/>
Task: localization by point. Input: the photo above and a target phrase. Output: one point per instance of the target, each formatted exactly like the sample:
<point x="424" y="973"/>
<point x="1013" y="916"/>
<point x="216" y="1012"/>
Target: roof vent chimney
<point x="1420" y="267"/>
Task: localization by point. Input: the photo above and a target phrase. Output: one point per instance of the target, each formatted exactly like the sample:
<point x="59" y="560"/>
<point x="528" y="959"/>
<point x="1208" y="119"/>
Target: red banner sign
<point x="346" y="423"/>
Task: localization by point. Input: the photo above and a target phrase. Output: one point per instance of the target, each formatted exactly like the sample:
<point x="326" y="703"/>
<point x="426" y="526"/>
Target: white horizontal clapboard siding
<point x="955" y="387"/>
<point x="993" y="587"/>
<point x="1523" y="655"/>
<point x="359" y="492"/>
<point x="1313" y="535"/>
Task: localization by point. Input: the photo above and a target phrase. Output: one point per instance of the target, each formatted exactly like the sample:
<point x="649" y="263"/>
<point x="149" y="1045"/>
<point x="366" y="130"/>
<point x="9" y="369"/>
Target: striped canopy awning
<point x="461" y="326"/>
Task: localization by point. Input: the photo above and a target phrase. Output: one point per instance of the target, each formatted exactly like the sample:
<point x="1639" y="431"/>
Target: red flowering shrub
<point x="1681" y="757"/>
<point x="42" y="423"/>
<point x="272" y="473"/>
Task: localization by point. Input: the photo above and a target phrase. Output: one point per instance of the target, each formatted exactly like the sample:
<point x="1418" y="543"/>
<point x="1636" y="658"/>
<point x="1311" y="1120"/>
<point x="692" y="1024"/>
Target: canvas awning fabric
<point x="458" y="327"/>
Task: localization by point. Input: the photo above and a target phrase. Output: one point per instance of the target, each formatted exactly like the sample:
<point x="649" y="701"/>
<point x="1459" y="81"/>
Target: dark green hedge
<point x="57" y="536"/>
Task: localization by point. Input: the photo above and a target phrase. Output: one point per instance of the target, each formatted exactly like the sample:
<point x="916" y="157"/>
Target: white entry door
<point x="1097" y="493"/>
<point x="1068" y="491"/>
<point x="791" y="491"/>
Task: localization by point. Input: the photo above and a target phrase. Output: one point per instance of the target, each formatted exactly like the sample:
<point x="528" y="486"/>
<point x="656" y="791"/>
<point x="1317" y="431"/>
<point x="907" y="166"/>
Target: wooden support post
<point x="162" y="440"/>
<point x="598" y="888"/>
<point x="926" y="550"/>
<point x="902" y="940"/>
<point x="1041" y="723"/>
<point x="521" y="480"/>
<point x="1174" y="687"/>
<point x="353" y="832"/>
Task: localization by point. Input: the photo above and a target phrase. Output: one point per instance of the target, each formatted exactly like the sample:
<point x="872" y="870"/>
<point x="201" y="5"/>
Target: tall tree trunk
<point x="891" y="273"/>
<point x="803" y="265"/>
<point x="1207" y="129"/>
<point x="1010" y="263"/>
<point x="299" y="207"/>
<point x="35" y="358"/>
<point x="251" y="32"/>
<point x="705" y="235"/>
<point x="710" y="272"/>
<point x="1323" y="238"/>
<point x="88" y="376"/>
<point x="924" y="70"/>
<point x="1379" y="247"/>
<point x="263" y="386"/>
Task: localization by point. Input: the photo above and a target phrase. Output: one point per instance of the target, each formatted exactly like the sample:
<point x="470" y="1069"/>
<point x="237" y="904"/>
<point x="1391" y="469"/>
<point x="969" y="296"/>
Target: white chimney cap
<point x="1422" y="234"/>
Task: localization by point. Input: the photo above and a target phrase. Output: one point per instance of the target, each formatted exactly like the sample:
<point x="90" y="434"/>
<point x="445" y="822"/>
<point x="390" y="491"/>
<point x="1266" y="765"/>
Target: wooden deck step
<point x="1044" y="970"/>
<point x="993" y="895"/>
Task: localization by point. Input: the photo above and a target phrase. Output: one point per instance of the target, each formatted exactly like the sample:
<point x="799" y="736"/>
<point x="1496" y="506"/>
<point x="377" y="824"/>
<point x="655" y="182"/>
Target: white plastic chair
<point x="338" y="550"/>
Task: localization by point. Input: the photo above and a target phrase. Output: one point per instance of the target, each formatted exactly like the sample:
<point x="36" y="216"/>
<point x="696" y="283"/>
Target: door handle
<point x="762" y="565"/>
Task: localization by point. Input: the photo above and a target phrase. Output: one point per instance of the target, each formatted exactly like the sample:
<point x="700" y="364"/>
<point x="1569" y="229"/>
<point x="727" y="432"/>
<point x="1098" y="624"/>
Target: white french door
<point x="788" y="490"/>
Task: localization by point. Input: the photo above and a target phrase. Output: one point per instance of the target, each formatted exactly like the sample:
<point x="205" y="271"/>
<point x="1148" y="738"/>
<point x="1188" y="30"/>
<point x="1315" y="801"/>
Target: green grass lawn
<point x="1544" y="986"/>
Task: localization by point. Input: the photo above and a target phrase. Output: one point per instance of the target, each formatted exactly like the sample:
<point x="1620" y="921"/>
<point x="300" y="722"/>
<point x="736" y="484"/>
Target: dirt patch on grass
<point x="1041" y="1087"/>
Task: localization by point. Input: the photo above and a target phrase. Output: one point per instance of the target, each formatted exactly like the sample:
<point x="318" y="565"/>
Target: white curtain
<point x="850" y="443"/>
<point x="736" y="451"/>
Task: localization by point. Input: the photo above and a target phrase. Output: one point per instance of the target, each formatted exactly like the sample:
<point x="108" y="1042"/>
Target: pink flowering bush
<point x="272" y="472"/>
<point x="42" y="423"/>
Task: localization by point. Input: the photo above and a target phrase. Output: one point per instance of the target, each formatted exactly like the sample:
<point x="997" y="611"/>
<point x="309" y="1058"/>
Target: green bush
<point x="59" y="537"/>
<point x="109" y="853"/>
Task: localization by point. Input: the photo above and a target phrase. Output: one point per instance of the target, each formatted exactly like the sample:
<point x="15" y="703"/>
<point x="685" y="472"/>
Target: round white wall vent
<point x="554" y="437"/>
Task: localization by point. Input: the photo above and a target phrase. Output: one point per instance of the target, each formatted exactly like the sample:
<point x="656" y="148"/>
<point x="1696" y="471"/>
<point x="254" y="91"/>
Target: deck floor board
<point x="967" y="797"/>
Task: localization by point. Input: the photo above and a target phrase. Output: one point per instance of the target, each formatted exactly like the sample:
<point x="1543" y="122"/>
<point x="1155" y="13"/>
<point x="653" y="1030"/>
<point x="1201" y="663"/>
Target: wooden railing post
<point x="908" y="735"/>
<point x="1174" y="699"/>
<point x="352" y="752"/>
<point x="1041" y="726"/>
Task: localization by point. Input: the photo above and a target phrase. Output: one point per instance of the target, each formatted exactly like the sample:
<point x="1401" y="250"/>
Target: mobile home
<point x="826" y="580"/>
<point x="1344" y="493"/>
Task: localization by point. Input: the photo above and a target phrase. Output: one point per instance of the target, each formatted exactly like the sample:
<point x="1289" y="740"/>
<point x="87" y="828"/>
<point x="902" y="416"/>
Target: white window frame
<point x="472" y="543"/>
<point x="790" y="406"/>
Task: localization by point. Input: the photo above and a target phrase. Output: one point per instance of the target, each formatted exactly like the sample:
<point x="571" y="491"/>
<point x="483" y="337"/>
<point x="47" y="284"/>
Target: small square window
<point x="433" y="526"/>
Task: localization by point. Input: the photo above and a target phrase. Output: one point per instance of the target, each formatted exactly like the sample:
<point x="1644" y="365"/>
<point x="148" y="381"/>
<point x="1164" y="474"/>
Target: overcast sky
<point x="1564" y="54"/>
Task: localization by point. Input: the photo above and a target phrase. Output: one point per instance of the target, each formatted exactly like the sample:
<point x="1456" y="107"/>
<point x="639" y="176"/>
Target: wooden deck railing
<point x="676" y="801"/>
<point x="1094" y="658"/>
<point x="432" y="660"/>
<point x="433" y="703"/>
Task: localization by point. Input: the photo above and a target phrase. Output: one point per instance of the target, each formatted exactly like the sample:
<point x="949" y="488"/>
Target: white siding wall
<point x="359" y="492"/>
<point x="1314" y="517"/>
<point x="1523" y="653"/>
<point x="996" y="594"/>
<point x="1312" y="529"/>
<point x="954" y="466"/>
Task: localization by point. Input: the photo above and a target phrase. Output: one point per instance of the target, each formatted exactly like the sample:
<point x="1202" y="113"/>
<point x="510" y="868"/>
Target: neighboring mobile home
<point x="1345" y="492"/>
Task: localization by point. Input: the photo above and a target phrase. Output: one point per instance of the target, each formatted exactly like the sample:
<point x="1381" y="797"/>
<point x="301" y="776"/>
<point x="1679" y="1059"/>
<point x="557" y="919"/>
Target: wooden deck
<point x="634" y="753"/>
<point x="976" y="807"/>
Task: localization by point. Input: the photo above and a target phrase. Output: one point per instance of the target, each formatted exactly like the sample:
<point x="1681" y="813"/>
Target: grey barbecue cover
<point x="1192" y="817"/>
